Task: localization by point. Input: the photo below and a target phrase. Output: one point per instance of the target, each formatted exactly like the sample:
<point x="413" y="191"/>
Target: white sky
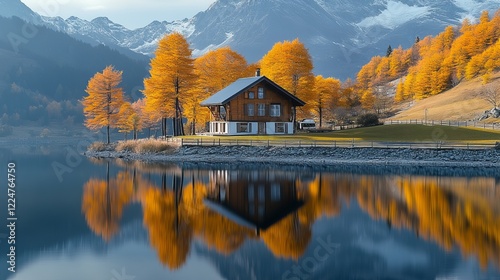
<point x="129" y="13"/>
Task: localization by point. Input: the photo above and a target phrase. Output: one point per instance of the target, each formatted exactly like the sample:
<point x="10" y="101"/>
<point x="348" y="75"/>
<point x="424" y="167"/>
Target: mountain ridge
<point x="341" y="35"/>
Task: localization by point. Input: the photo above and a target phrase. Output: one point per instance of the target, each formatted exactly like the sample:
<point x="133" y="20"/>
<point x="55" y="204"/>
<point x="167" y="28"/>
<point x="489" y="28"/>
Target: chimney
<point x="257" y="72"/>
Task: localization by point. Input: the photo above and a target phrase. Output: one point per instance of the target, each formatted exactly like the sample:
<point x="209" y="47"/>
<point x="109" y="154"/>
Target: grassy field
<point x="389" y="133"/>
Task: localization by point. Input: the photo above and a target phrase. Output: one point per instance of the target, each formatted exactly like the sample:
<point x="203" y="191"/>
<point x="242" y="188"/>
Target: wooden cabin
<point x="253" y="105"/>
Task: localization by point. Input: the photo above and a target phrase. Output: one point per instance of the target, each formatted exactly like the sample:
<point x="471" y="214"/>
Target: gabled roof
<point x="241" y="85"/>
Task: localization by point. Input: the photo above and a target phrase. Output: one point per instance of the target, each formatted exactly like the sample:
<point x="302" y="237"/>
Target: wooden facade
<point x="259" y="104"/>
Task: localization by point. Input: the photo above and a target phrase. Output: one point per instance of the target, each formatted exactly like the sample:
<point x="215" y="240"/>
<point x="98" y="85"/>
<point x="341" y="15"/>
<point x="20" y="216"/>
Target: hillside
<point x="44" y="75"/>
<point x="460" y="103"/>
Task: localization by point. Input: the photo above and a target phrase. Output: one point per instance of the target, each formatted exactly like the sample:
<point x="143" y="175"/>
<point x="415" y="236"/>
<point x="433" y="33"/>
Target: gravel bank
<point x="317" y="156"/>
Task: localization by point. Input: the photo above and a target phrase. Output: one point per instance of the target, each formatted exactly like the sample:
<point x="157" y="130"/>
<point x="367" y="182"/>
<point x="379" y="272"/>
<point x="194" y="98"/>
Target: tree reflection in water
<point x="224" y="208"/>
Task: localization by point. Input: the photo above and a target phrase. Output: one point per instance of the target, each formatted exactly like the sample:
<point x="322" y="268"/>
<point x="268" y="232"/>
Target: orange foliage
<point x="103" y="204"/>
<point x="102" y="105"/>
<point x="171" y="76"/>
<point x="290" y="65"/>
<point x="435" y="64"/>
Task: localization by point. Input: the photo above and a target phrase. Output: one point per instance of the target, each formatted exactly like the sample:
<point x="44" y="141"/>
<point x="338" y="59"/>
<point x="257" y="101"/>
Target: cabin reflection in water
<point x="254" y="199"/>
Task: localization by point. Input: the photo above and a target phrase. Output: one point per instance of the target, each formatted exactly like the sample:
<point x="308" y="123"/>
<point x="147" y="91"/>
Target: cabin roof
<point x="241" y="85"/>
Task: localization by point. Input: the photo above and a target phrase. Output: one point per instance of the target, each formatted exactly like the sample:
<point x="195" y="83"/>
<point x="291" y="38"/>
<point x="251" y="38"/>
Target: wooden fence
<point x="212" y="141"/>
<point x="448" y="123"/>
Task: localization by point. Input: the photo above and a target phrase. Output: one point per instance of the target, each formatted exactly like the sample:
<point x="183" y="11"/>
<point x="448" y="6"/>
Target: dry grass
<point x="458" y="104"/>
<point x="100" y="147"/>
<point x="147" y="146"/>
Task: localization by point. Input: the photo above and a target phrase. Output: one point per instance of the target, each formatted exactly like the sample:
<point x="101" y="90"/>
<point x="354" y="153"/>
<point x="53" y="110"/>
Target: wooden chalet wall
<point x="237" y="106"/>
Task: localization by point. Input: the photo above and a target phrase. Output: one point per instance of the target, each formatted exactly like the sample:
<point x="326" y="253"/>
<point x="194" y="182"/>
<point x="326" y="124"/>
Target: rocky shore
<point x="316" y="156"/>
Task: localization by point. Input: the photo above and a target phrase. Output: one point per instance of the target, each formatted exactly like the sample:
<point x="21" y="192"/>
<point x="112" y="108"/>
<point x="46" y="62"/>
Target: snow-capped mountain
<point x="17" y="8"/>
<point x="341" y="35"/>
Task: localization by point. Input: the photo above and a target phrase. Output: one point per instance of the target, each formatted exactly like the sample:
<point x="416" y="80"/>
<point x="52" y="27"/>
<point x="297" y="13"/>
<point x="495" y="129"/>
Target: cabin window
<point x="275" y="110"/>
<point x="260" y="93"/>
<point x="222" y="111"/>
<point x="261" y="110"/>
<point x="250" y="110"/>
<point x="223" y="128"/>
<point x="280" y="127"/>
<point x="243" y="127"/>
<point x="251" y="95"/>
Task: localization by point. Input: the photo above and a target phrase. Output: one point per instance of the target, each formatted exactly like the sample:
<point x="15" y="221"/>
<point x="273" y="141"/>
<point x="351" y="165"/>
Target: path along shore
<point x="316" y="156"/>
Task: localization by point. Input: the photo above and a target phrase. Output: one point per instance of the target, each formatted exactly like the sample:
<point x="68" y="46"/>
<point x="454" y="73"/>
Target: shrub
<point x="155" y="146"/>
<point x="99" y="147"/>
<point x="128" y="146"/>
<point x="368" y="120"/>
<point x="146" y="146"/>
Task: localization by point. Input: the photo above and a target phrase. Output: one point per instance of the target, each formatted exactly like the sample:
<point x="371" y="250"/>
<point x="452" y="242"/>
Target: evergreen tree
<point x="389" y="51"/>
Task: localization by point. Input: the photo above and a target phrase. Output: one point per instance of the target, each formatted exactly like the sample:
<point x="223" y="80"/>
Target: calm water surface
<point x="122" y="221"/>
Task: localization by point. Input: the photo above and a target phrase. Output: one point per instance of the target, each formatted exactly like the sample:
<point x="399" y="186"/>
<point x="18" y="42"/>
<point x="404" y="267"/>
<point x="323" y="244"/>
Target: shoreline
<point x="310" y="156"/>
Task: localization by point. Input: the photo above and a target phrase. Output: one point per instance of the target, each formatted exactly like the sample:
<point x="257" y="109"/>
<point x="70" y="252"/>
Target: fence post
<point x="182" y="142"/>
<point x="219" y="141"/>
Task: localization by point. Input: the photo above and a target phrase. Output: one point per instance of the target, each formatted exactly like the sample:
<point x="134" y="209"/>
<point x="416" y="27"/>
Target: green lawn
<point x="390" y="133"/>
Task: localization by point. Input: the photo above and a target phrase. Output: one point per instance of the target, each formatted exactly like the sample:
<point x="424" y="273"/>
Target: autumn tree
<point x="139" y="120"/>
<point x="327" y="93"/>
<point x="491" y="94"/>
<point x="126" y="117"/>
<point x="102" y="105"/>
<point x="289" y="64"/>
<point x="171" y="80"/>
<point x="215" y="70"/>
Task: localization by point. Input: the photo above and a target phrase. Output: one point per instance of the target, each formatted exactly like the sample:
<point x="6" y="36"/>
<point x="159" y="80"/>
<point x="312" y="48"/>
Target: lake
<point x="80" y="218"/>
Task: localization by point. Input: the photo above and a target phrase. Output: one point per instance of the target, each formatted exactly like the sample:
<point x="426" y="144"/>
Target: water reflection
<point x="225" y="208"/>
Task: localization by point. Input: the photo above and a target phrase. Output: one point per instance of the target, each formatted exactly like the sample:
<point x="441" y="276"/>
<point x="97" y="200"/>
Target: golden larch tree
<point x="102" y="105"/>
<point x="171" y="79"/>
<point x="327" y="93"/>
<point x="125" y="121"/>
<point x="214" y="71"/>
<point x="289" y="64"/>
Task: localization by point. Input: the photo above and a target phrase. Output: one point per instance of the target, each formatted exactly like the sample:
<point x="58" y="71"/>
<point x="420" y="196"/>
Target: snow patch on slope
<point x="473" y="8"/>
<point x="396" y="14"/>
<point x="229" y="39"/>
